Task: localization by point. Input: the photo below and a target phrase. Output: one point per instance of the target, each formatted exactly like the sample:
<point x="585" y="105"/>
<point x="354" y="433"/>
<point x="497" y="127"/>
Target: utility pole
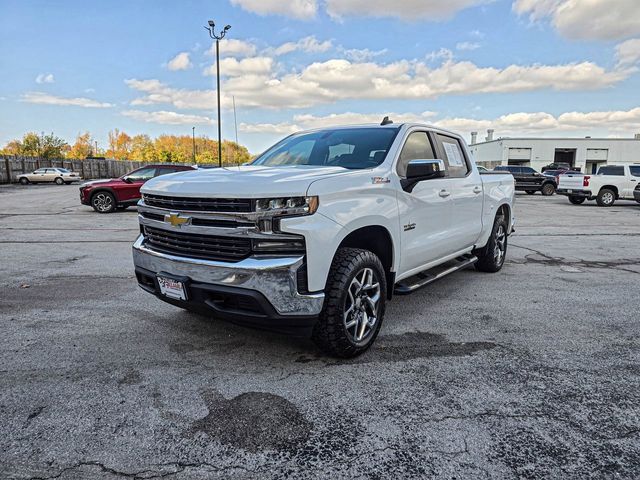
<point x="218" y="37"/>
<point x="235" y="119"/>
<point x="193" y="132"/>
<point x="96" y="150"/>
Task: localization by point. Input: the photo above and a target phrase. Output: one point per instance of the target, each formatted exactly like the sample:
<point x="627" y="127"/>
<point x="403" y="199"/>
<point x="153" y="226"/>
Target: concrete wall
<point x="11" y="166"/>
<point x="619" y="151"/>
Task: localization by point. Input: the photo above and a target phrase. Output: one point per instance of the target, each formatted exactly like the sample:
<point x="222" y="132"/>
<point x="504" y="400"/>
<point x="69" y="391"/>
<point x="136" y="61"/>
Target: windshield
<point x="352" y="148"/>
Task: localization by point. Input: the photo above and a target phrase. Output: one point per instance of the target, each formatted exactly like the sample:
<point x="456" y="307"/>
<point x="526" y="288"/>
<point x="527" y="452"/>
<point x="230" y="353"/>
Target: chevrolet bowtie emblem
<point x="176" y="220"/>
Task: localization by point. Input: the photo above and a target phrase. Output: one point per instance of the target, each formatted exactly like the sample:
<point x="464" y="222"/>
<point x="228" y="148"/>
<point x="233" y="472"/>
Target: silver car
<point x="48" y="175"/>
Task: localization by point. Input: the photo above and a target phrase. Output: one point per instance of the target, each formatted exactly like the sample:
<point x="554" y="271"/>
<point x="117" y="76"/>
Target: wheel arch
<point x="610" y="187"/>
<point x="103" y="189"/>
<point x="378" y="240"/>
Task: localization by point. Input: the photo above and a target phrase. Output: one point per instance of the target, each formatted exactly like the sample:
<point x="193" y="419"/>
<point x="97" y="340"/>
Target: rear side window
<point x="454" y="156"/>
<point x="635" y="170"/>
<point x="528" y="170"/>
<point x="619" y="171"/>
<point x="417" y="146"/>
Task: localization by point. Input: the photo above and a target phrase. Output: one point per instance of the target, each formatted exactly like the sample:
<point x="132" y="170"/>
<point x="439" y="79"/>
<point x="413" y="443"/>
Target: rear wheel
<point x="548" y="189"/>
<point x="576" y="200"/>
<point x="103" y="202"/>
<point x="606" y="197"/>
<point x="59" y="181"/>
<point x="491" y="257"/>
<point x="531" y="192"/>
<point x="354" y="304"/>
<point x="23" y="180"/>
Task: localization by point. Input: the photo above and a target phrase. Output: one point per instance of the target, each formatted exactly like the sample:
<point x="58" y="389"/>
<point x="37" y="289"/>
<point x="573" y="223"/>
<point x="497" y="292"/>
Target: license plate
<point x="172" y="288"/>
<point x="569" y="191"/>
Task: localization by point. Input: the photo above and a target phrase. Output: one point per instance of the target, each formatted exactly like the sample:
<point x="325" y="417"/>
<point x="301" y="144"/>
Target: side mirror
<point x="419" y="170"/>
<point x="126" y="179"/>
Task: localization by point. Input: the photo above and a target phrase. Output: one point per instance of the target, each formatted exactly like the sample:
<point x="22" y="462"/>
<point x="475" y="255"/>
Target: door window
<point x="618" y="171"/>
<point x="142" y="175"/>
<point x="457" y="165"/>
<point x="40" y="171"/>
<point x="416" y="147"/>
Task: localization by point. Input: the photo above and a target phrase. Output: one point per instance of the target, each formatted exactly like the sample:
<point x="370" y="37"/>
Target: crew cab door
<point x="425" y="212"/>
<point x="466" y="193"/>
<point x="634" y="179"/>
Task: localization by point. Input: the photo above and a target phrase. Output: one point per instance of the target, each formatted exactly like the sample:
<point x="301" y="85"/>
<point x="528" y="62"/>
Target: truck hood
<point x="241" y="182"/>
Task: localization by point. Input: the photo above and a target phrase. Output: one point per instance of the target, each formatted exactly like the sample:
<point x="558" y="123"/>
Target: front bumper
<point x="260" y="291"/>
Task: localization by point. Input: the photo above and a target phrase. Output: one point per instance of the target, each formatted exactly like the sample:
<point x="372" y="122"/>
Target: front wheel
<point x="548" y="189"/>
<point x="491" y="257"/>
<point x="606" y="198"/>
<point x="354" y="304"/>
<point x="576" y="200"/>
<point x="103" y="202"/>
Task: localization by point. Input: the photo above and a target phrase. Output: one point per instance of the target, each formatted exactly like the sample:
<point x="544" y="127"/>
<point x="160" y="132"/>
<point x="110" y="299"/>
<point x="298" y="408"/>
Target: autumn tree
<point x="82" y="148"/>
<point x="119" y="145"/>
<point x="32" y="144"/>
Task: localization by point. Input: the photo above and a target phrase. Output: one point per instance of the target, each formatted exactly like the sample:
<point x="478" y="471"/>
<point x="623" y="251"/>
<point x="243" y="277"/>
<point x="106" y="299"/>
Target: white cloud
<point x="306" y="44"/>
<point x="233" y="48"/>
<point x="620" y="122"/>
<point x="362" y="55"/>
<point x="233" y="67"/>
<point x="628" y="53"/>
<point x="256" y="82"/>
<point x="167" y="118"/>
<point x="302" y="9"/>
<point x="180" y="62"/>
<point x="45" y="98"/>
<point x="585" y="19"/>
<point x="408" y="10"/>
<point x="467" y="46"/>
<point x="45" y="78"/>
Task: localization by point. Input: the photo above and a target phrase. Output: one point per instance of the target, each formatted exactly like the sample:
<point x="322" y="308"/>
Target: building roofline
<point x="556" y="139"/>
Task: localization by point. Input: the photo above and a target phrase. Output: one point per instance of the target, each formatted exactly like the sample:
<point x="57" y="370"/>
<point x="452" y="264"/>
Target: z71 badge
<point x="409" y="226"/>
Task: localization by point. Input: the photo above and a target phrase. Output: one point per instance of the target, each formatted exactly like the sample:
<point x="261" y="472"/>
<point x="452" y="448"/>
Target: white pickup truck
<point x="318" y="232"/>
<point x="611" y="183"/>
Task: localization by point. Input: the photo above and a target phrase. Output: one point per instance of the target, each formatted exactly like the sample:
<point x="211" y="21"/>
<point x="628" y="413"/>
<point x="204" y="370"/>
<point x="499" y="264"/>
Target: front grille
<point x="204" y="222"/>
<point x="206" y="247"/>
<point x="226" y="205"/>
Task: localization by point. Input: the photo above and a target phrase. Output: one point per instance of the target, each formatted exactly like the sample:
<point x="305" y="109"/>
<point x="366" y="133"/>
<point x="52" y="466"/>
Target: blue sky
<point x="522" y="67"/>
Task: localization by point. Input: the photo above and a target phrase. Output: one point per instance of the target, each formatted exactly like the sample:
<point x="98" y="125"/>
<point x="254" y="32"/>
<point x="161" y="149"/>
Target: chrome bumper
<point x="275" y="278"/>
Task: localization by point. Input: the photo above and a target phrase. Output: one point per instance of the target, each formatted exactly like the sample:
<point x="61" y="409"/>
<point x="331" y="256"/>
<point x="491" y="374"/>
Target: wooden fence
<point x="11" y="166"/>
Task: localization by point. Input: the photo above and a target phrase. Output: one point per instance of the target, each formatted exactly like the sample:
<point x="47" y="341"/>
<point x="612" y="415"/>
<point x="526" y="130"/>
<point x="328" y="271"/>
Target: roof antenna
<point x="386" y="121"/>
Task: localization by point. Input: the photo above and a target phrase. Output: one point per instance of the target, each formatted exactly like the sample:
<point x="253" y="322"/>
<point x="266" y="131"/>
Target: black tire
<point x="59" y="181"/>
<point x="488" y="258"/>
<point x="24" y="181"/>
<point x="345" y="304"/>
<point x="606" y="197"/>
<point x="576" y="200"/>
<point x="531" y="192"/>
<point x="548" y="189"/>
<point x="103" y="202"/>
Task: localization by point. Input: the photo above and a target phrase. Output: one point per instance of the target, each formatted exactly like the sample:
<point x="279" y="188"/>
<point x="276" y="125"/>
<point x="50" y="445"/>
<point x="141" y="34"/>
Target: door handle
<point x="443" y="193"/>
<point x="477" y="189"/>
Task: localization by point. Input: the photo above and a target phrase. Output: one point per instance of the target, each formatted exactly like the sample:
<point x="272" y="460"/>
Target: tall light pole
<point x="218" y="37"/>
<point x="193" y="132"/>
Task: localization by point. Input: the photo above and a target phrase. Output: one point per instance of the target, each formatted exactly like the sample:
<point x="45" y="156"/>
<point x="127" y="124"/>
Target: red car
<point x="105" y="196"/>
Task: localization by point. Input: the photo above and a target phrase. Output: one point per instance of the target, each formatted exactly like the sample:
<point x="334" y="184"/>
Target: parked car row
<point x="611" y="183"/>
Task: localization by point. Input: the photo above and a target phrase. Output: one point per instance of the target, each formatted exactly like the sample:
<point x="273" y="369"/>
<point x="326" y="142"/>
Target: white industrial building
<point x="587" y="153"/>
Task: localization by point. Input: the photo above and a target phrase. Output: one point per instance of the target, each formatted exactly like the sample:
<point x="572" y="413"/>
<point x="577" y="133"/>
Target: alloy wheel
<point x="361" y="305"/>
<point x="500" y="245"/>
<point x="102" y="202"/>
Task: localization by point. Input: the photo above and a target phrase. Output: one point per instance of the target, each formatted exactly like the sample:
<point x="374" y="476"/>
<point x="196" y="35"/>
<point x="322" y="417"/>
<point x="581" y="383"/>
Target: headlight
<point x="287" y="205"/>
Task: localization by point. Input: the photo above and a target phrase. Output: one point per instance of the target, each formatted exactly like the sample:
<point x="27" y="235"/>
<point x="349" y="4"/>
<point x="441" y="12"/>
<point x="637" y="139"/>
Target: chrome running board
<point x="426" y="277"/>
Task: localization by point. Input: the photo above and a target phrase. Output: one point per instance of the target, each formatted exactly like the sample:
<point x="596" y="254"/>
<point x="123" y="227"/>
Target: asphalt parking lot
<point x="532" y="372"/>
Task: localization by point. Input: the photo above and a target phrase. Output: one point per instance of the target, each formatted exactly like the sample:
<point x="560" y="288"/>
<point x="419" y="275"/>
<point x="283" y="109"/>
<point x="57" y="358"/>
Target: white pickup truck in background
<point x="321" y="229"/>
<point x="611" y="183"/>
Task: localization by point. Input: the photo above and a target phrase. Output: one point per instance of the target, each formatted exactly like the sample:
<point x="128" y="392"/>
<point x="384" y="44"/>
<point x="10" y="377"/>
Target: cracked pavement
<point x="532" y="372"/>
